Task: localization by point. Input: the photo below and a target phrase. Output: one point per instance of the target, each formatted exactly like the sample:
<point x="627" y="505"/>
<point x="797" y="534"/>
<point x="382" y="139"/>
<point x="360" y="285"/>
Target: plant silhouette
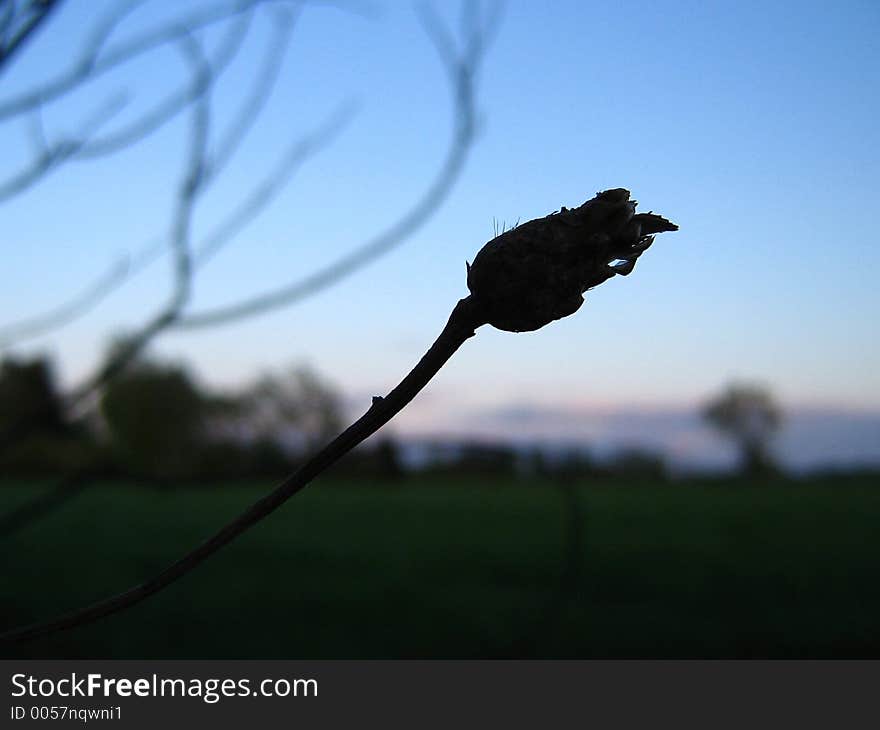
<point x="520" y="281"/>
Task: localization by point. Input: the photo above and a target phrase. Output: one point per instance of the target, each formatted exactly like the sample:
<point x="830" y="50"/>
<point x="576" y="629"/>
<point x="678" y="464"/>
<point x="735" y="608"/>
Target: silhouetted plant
<point x="520" y="280"/>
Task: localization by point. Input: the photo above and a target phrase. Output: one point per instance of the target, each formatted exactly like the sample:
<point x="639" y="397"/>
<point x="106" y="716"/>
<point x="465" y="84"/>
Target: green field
<point x="461" y="569"/>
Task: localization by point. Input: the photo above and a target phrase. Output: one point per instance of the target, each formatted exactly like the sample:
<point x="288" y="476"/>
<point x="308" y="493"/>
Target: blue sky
<point x="750" y="124"/>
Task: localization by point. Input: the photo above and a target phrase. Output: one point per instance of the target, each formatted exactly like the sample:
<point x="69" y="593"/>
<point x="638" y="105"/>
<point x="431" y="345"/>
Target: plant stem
<point x="464" y="320"/>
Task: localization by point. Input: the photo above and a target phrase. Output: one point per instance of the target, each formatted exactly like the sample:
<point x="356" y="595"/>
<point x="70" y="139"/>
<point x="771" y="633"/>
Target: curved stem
<point x="464" y="320"/>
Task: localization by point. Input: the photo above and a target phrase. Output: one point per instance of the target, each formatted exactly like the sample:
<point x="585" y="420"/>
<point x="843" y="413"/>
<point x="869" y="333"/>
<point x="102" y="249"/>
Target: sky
<point x="750" y="124"/>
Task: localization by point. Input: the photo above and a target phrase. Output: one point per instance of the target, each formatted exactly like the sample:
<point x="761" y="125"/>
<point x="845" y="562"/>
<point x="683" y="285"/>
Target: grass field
<point x="470" y="568"/>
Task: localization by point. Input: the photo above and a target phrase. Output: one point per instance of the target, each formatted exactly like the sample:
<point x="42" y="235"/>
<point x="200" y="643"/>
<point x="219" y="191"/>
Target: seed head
<point x="538" y="272"/>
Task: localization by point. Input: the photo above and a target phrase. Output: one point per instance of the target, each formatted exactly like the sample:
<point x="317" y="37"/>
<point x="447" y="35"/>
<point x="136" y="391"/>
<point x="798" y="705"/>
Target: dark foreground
<point x="462" y="569"/>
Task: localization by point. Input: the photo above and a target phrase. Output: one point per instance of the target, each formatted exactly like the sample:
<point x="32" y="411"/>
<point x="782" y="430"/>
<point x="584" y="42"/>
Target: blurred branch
<point x="267" y="189"/>
<point x="257" y="199"/>
<point x="255" y="102"/>
<point x="31" y="17"/>
<point x="91" y="63"/>
<point x="461" y="69"/>
<point x="260" y="91"/>
<point x="83" y="146"/>
<point x="48" y="157"/>
<point x="191" y="185"/>
<point x="71" y="310"/>
<point x="175" y="103"/>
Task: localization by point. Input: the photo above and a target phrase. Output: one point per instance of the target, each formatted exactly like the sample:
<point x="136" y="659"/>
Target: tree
<point x="32" y="409"/>
<point x="155" y="416"/>
<point x="749" y="416"/>
<point x="28" y="398"/>
<point x="298" y="410"/>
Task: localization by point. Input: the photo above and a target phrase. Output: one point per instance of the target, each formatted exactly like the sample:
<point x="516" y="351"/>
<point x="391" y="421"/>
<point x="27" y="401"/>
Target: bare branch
<point x="104" y="29"/>
<point x="269" y="188"/>
<point x="49" y="157"/>
<point x="7" y="15"/>
<point x="91" y="64"/>
<point x="260" y="196"/>
<point x="82" y="146"/>
<point x="172" y="105"/>
<point x="461" y="70"/>
<point x="256" y="100"/>
<point x="191" y="185"/>
<point x="70" y="311"/>
<point x="30" y="25"/>
<point x="122" y="270"/>
<point x="194" y="178"/>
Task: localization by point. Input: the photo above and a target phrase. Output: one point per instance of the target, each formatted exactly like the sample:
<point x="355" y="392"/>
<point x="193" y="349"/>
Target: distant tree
<point x="33" y="416"/>
<point x="298" y="410"/>
<point x="749" y="415"/>
<point x="29" y="400"/>
<point x="155" y="415"/>
<point x="385" y="458"/>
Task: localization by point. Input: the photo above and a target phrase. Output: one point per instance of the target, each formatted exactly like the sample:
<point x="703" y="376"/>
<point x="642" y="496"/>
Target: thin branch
<point x="62" y="315"/>
<point x="191" y="185"/>
<point x="7" y="16"/>
<point x="194" y="179"/>
<point x="121" y="271"/>
<point x="261" y="90"/>
<point x="83" y="146"/>
<point x="50" y="157"/>
<point x="461" y="72"/>
<point x="90" y="65"/>
<point x="172" y="105"/>
<point x="462" y="323"/>
<point x="268" y="188"/>
<point x="27" y="31"/>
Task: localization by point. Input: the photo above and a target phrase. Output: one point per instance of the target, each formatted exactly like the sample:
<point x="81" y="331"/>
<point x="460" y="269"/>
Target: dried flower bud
<point x="538" y="272"/>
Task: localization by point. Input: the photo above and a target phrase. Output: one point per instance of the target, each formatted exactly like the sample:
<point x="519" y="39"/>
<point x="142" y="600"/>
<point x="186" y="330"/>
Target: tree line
<point x="154" y="420"/>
